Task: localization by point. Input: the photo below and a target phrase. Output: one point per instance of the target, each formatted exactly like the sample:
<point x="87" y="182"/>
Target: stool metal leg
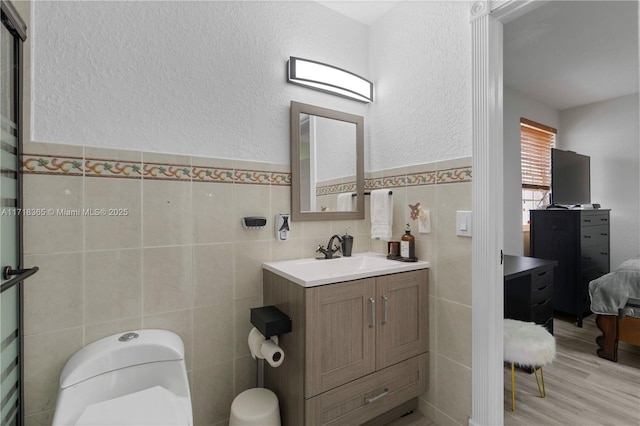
<point x="513" y="387"/>
<point x="542" y="390"/>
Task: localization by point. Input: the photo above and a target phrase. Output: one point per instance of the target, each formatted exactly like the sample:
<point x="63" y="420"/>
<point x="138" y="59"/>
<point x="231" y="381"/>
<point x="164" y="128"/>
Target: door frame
<point x="487" y="20"/>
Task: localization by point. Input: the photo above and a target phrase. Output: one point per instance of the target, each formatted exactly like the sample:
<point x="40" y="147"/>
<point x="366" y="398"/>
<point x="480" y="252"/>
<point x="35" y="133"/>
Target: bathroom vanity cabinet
<point x="358" y="349"/>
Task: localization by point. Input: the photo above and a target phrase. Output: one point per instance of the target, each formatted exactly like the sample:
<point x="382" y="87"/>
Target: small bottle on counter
<point x="408" y="245"/>
<point x="347" y="243"/>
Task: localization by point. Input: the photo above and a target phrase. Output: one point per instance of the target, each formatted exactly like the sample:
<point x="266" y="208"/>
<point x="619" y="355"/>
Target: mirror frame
<point x="297" y="214"/>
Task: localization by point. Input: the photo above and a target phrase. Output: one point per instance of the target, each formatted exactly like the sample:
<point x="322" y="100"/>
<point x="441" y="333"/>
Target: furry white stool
<point x="528" y="345"/>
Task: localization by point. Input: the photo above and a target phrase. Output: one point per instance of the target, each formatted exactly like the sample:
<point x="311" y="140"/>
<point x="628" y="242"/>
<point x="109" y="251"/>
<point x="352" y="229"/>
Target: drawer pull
<point x="373" y="312"/>
<point x="604" y="253"/>
<point x="587" y="236"/>
<point x="542" y="288"/>
<point x="586" y="257"/>
<point x="588" y="220"/>
<point x="384" y="393"/>
<point x="542" y="303"/>
<point x="604" y="234"/>
<point x="385" y="310"/>
<point x="540" y="274"/>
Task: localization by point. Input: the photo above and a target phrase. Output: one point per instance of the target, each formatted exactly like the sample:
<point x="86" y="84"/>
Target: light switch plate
<point x="463" y="223"/>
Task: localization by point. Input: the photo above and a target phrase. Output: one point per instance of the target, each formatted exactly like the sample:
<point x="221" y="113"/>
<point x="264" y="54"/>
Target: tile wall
<point x="128" y="240"/>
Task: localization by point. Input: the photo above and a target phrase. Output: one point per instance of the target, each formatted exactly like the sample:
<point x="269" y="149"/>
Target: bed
<point x="615" y="298"/>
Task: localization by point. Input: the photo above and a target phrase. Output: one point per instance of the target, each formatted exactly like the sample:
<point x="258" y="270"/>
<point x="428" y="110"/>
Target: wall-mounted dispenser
<point x="283" y="226"/>
<point x="254" y="222"/>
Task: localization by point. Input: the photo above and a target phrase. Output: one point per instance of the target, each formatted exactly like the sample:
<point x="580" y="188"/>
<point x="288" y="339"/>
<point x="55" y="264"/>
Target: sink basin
<point x="311" y="272"/>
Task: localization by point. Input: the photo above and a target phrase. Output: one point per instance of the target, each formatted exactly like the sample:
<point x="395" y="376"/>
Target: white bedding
<point x="610" y="292"/>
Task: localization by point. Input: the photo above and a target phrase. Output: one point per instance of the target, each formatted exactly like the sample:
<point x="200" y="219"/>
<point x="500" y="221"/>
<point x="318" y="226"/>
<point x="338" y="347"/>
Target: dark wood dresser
<point x="579" y="241"/>
<point x="528" y="290"/>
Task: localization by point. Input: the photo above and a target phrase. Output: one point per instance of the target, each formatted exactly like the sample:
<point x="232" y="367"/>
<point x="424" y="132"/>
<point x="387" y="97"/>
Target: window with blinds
<point x="536" y="141"/>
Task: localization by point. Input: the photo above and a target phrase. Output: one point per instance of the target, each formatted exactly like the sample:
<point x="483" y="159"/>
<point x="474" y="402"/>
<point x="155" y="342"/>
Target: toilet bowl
<point x="133" y="378"/>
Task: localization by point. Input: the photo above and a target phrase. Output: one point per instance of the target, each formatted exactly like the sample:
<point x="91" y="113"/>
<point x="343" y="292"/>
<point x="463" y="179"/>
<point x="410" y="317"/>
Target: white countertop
<point x="311" y="272"/>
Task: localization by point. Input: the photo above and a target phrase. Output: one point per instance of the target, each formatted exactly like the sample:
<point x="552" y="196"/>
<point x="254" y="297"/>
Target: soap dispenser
<point x="347" y="243"/>
<point x="282" y="227"/>
<point x="408" y="245"/>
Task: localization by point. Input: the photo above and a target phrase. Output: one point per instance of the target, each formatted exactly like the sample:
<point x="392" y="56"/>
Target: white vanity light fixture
<point x="328" y="78"/>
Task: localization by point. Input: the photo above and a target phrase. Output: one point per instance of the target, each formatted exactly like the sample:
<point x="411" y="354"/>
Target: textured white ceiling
<point x="364" y="11"/>
<point x="570" y="53"/>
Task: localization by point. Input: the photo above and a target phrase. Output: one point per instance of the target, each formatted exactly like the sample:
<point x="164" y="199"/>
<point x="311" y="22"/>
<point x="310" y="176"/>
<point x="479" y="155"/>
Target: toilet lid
<point x="154" y="406"/>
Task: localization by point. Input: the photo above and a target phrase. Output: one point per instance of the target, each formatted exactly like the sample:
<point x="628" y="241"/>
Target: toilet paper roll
<point x="264" y="348"/>
<point x="272" y="353"/>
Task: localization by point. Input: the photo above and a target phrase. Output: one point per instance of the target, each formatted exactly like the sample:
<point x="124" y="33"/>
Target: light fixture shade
<point x="327" y="78"/>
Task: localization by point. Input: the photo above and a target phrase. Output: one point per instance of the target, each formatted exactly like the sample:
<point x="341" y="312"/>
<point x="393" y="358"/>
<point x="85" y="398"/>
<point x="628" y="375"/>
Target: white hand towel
<point x="345" y="202"/>
<point x="381" y="214"/>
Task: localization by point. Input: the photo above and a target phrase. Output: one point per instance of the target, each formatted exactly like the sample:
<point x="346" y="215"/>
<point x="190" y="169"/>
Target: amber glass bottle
<point x="407" y="244"/>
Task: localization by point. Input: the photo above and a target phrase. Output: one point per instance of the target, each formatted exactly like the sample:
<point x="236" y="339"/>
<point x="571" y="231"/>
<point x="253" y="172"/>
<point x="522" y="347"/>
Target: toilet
<point x="133" y="378"/>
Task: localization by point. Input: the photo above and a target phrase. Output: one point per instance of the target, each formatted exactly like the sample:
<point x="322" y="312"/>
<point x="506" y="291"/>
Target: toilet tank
<point x="121" y="351"/>
<point x="119" y="365"/>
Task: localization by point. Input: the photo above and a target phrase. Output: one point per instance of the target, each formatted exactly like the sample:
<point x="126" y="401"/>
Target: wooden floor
<point x="582" y="389"/>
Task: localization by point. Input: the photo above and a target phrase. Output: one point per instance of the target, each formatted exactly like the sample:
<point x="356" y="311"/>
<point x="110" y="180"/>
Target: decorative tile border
<point x="337" y="188"/>
<point x="212" y="174"/>
<point x="453" y="175"/>
<point x="422" y="178"/>
<point x="45" y="164"/>
<point x="76" y="166"/>
<point x="461" y="174"/>
<point x="110" y="168"/>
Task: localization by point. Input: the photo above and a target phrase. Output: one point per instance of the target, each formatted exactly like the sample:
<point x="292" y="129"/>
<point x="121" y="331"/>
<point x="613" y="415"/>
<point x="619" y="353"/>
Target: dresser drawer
<point x="595" y="255"/>
<point x="594" y="219"/>
<point x="368" y="397"/>
<point x="594" y="235"/>
<point x="590" y="274"/>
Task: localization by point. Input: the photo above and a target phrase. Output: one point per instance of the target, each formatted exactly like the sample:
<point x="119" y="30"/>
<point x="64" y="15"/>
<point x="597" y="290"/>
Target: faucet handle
<point x="320" y="249"/>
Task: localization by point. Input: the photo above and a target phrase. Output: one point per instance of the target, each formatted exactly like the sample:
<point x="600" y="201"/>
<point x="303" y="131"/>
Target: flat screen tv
<point x="570" y="178"/>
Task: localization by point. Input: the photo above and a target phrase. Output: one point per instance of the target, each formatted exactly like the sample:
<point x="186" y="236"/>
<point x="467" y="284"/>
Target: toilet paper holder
<point x="270" y="321"/>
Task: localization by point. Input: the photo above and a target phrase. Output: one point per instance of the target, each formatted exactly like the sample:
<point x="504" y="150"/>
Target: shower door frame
<point x="14" y="23"/>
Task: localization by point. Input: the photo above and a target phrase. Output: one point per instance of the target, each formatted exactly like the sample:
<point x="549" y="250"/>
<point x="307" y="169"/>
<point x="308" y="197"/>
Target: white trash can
<point x="255" y="407"/>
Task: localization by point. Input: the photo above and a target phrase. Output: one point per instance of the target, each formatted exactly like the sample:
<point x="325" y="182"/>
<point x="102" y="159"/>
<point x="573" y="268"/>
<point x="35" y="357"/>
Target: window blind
<point x="536" y="142"/>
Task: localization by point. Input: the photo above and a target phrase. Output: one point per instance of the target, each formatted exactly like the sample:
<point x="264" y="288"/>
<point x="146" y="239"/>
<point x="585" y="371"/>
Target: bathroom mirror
<point x="327" y="164"/>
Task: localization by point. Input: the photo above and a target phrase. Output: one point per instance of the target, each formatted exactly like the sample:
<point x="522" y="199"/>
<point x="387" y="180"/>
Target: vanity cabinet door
<point x="403" y="317"/>
<point x="340" y="334"/>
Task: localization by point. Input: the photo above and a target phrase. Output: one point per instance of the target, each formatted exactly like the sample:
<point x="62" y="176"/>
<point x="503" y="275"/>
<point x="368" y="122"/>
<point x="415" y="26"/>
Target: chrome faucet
<point x="331" y="249"/>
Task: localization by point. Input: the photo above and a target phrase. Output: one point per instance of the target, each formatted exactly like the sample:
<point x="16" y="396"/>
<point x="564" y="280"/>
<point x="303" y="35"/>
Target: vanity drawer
<point x="370" y="396"/>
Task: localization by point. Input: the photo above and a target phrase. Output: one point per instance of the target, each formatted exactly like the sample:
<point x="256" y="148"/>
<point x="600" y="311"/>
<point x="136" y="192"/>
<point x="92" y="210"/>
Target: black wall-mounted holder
<point x="270" y="321"/>
<point x="254" y="222"/>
